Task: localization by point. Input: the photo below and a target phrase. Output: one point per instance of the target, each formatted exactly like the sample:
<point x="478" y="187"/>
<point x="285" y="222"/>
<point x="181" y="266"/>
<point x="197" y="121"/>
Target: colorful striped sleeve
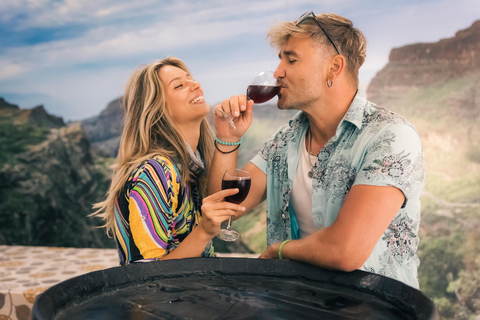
<point x="152" y="205"/>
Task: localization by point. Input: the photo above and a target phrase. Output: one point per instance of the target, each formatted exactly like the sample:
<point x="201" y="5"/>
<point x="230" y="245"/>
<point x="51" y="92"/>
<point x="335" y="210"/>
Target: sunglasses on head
<point x="310" y="14"/>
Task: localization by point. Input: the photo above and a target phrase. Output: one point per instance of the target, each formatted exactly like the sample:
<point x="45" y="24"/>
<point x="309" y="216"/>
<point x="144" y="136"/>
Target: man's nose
<point x="279" y="72"/>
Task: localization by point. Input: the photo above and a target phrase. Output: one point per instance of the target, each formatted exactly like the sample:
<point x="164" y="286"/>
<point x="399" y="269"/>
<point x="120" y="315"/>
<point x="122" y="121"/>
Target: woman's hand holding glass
<point x="233" y="117"/>
<point x="237" y="109"/>
<point x="215" y="210"/>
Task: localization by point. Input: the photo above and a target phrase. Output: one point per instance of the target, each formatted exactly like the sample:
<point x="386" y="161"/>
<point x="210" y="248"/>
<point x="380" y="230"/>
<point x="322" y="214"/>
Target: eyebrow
<point x="179" y="78"/>
<point x="287" y="53"/>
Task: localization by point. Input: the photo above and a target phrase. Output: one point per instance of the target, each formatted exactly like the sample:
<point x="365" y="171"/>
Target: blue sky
<point x="74" y="56"/>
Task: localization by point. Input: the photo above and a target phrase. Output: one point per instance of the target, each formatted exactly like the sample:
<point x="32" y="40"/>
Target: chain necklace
<point x="309" y="151"/>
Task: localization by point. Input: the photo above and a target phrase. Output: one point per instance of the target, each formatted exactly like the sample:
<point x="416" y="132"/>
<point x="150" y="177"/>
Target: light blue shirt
<point x="371" y="146"/>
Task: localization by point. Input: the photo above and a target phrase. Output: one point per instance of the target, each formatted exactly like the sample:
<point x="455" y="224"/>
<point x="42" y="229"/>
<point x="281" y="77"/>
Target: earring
<point x="329" y="83"/>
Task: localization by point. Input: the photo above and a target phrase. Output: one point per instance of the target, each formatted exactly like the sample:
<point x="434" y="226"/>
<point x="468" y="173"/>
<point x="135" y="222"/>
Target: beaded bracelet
<point x="225" y="152"/>
<point x="229" y="143"/>
<point x="280" y="256"/>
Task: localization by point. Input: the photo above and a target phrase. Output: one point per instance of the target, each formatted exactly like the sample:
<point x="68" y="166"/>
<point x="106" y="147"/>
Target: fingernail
<point x="236" y="113"/>
<point x="242" y="107"/>
<point x="242" y="208"/>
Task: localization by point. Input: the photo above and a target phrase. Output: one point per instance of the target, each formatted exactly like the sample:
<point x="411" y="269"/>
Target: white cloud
<point x="10" y="69"/>
<point x="114" y="35"/>
<point x="105" y="43"/>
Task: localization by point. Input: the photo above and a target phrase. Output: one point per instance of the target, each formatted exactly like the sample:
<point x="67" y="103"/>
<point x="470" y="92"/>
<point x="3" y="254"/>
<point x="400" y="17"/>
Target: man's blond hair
<point x="349" y="40"/>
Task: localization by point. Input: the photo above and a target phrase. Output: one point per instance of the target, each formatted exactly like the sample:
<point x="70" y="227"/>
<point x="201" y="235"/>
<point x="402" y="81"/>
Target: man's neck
<point x="326" y="114"/>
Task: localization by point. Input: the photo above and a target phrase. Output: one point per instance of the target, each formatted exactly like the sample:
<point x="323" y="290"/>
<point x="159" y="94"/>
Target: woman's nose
<point x="194" y="84"/>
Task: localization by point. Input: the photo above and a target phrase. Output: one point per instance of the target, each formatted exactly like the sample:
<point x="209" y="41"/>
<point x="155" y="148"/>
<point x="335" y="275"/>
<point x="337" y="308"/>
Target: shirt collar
<point x="356" y="110"/>
<point x="354" y="113"/>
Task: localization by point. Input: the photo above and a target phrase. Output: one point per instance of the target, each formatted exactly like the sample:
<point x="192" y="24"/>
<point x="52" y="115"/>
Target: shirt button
<point x="283" y="216"/>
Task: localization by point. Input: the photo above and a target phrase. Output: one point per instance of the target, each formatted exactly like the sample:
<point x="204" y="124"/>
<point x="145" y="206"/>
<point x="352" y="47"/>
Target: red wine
<point x="242" y="185"/>
<point x="261" y="94"/>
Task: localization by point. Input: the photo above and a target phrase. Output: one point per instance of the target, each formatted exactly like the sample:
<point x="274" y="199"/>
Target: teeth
<point x="197" y="100"/>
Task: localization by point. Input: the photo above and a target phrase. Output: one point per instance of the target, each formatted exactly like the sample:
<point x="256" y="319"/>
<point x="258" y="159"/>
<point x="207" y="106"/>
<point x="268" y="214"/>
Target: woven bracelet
<point x="225" y="152"/>
<point x="229" y="143"/>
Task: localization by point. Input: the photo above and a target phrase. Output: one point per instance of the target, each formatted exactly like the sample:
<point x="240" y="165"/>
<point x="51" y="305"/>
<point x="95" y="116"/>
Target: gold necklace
<point x="309" y="151"/>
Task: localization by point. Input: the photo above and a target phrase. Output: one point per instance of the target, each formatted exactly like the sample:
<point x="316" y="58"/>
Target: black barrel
<point x="231" y="288"/>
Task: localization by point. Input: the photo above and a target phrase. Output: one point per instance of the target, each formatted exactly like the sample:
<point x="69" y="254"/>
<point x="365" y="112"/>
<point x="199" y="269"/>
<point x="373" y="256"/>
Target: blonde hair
<point x="350" y="41"/>
<point x="148" y="130"/>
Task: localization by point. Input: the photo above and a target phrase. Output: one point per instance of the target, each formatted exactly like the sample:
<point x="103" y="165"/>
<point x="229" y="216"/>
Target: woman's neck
<point x="191" y="134"/>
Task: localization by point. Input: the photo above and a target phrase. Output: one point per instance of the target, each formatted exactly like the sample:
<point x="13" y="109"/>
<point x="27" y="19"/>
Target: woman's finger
<point x="224" y="205"/>
<point x="242" y="101"/>
<point x="220" y="195"/>
<point x="226" y="106"/>
<point x="234" y="106"/>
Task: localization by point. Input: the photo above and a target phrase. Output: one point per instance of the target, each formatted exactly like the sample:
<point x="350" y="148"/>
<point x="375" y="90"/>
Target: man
<point x="343" y="179"/>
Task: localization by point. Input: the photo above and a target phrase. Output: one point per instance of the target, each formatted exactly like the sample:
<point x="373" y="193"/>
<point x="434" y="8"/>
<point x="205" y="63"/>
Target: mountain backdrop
<point x="51" y="172"/>
<point x="437" y="87"/>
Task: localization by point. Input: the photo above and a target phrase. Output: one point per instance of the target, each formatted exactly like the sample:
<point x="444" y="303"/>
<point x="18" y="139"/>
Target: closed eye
<point x="179" y="86"/>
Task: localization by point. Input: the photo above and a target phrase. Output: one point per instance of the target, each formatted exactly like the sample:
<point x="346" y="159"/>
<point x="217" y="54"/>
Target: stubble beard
<point x="292" y="104"/>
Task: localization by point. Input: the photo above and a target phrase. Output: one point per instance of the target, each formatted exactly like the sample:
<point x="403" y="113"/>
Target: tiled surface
<point x="25" y="272"/>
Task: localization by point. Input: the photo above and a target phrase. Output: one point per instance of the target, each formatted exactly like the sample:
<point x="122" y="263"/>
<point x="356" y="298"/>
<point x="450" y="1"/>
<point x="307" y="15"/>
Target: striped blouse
<point x="154" y="212"/>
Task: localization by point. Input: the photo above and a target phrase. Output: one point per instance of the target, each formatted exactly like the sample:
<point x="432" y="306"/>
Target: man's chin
<point x="281" y="105"/>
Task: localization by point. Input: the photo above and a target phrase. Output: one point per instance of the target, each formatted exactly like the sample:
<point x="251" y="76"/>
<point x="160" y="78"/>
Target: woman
<point x="153" y="206"/>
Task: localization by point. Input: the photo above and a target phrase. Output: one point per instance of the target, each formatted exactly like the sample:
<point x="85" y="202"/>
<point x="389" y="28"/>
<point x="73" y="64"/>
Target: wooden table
<point x="231" y="288"/>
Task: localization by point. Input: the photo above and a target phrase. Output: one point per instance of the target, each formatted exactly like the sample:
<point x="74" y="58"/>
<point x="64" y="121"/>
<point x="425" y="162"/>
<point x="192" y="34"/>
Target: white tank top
<point x="301" y="197"/>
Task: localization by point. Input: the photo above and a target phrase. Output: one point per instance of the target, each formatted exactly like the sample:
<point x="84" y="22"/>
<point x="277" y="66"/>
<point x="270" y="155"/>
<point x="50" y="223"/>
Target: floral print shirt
<point x="371" y="146"/>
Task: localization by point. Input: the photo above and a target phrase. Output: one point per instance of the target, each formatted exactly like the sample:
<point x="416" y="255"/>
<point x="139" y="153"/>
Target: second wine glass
<point x="234" y="178"/>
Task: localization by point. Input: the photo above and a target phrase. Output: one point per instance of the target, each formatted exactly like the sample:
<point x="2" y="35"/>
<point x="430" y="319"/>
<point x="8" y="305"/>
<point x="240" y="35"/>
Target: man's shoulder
<point x="378" y="116"/>
<point x="297" y="121"/>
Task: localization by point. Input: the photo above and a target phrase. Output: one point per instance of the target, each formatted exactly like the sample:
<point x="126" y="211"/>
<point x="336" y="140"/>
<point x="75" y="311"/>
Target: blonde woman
<point x="154" y="204"/>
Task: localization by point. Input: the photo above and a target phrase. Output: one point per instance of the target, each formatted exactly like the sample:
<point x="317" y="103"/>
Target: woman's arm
<point x="214" y="211"/>
<point x="154" y="203"/>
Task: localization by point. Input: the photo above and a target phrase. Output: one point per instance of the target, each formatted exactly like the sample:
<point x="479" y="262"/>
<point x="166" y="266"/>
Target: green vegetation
<point x="253" y="229"/>
<point x="446" y="116"/>
<point x="15" y="139"/>
<point x="442" y="113"/>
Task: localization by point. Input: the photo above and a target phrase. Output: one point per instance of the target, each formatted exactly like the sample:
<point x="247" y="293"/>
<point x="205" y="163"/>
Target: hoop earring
<point x="329" y="83"/>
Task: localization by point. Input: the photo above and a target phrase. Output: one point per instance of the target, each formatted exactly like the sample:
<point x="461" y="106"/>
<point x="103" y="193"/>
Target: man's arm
<point x="349" y="241"/>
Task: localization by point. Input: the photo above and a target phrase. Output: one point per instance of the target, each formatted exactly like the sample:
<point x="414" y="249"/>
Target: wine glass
<point x="234" y="178"/>
<point x="261" y="89"/>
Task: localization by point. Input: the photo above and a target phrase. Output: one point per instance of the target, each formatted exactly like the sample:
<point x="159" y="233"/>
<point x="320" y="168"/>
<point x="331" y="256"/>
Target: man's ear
<point x="338" y="63"/>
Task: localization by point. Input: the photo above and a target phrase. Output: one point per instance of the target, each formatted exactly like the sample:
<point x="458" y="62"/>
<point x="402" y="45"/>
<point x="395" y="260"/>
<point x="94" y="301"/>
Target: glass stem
<point x="229" y="225"/>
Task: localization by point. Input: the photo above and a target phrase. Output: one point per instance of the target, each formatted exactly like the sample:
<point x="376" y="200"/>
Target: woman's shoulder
<point x="157" y="168"/>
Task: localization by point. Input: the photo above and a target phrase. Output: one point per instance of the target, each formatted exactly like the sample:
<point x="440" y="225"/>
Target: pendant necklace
<point x="310" y="173"/>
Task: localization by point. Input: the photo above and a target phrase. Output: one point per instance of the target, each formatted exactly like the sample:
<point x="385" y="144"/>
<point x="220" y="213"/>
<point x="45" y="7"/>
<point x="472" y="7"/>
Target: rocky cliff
<point x="437" y="87"/>
<point x="48" y="181"/>
<point x="413" y="68"/>
<point x="36" y="116"/>
<point x="105" y="129"/>
<point x="436" y="83"/>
